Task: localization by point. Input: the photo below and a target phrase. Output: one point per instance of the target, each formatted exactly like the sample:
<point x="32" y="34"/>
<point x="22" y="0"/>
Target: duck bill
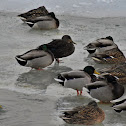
<point x="1" y="107"/>
<point x="74" y="42"/>
<point x="85" y="48"/>
<point x="96" y="72"/>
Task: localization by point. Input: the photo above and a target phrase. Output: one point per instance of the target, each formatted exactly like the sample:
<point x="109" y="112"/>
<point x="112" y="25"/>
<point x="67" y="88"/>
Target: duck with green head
<point x="61" y="47"/>
<point x="77" y="79"/>
<point x="36" y="58"/>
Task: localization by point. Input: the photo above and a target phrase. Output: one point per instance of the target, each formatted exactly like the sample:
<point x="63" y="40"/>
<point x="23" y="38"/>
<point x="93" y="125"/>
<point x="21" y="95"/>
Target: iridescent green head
<point x="44" y="47"/>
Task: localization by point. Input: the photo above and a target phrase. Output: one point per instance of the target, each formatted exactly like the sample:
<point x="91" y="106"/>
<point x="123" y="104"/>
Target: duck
<point x="105" y="89"/>
<point x="40" y="11"/>
<point x="101" y="45"/>
<point x="77" y="79"/>
<point x="46" y="22"/>
<point x="118" y="71"/>
<point x="105" y="51"/>
<point x="36" y="58"/>
<point x="60" y="47"/>
<point x="114" y="56"/>
<point x="89" y="114"/>
<point x="119" y="106"/>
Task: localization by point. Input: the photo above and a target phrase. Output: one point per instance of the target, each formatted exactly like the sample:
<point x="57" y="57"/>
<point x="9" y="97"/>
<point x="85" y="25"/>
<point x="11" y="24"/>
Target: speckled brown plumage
<point x="119" y="71"/>
<point x="40" y="11"/>
<point x="87" y="115"/>
<point x="113" y="56"/>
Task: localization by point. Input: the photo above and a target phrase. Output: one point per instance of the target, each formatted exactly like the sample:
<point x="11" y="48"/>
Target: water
<point x="33" y="98"/>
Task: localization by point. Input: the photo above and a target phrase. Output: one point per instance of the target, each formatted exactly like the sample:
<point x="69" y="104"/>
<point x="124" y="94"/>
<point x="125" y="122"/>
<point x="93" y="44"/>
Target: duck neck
<point x="93" y="78"/>
<point x="117" y="90"/>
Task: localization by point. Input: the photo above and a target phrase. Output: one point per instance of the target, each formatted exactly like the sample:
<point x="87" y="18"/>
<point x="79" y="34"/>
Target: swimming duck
<point x="106" y="89"/>
<point x="36" y="58"/>
<point x="87" y="115"/>
<point x="60" y="47"/>
<point x="77" y="79"/>
<point x="120" y="106"/>
<point x="113" y="56"/>
<point x="48" y="21"/>
<point x="118" y="71"/>
<point x="40" y="11"/>
<point x="101" y="45"/>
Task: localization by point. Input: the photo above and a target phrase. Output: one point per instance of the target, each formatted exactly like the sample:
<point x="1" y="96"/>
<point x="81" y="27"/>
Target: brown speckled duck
<point x="118" y="71"/>
<point x="40" y="11"/>
<point x="113" y="56"/>
<point x="46" y="22"/>
<point x="87" y="115"/>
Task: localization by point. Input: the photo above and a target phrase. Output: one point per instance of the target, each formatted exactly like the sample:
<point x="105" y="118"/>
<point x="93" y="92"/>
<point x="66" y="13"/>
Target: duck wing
<point x="40" y="10"/>
<point x="32" y="54"/>
<point x="96" y="85"/>
<point x="73" y="111"/>
<point x="60" y="48"/>
<point x="55" y="44"/>
<point x="74" y="74"/>
<point x="41" y="18"/>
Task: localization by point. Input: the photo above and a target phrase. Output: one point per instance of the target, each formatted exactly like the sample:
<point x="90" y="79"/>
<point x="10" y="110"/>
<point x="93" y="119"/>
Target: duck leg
<point x="101" y="102"/>
<point x="80" y="92"/>
<point x="39" y="69"/>
<point x="77" y="92"/>
<point x="59" y="61"/>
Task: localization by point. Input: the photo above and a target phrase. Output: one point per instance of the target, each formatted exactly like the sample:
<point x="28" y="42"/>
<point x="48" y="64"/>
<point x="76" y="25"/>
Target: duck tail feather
<point x="21" y="61"/>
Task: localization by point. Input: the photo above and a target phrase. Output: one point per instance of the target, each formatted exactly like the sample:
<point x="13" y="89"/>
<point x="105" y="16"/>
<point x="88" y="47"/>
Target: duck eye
<point x="69" y="37"/>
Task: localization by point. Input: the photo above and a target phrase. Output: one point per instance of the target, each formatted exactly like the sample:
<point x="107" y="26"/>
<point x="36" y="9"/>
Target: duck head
<point x="68" y="39"/>
<point x="93" y="103"/>
<point x="90" y="70"/>
<point x="110" y="78"/>
<point x="91" y="48"/>
<point x="44" y="47"/>
<point x="54" y="17"/>
<point x="52" y="14"/>
<point x="117" y="89"/>
<point x="99" y="43"/>
<point x="109" y="37"/>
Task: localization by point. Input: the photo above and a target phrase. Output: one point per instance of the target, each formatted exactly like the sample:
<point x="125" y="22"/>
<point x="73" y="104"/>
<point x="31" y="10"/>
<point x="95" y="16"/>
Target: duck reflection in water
<point x="40" y="79"/>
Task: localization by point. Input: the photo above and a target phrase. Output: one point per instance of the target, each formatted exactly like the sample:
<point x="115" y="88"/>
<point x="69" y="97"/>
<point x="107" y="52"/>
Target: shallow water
<point x="33" y="98"/>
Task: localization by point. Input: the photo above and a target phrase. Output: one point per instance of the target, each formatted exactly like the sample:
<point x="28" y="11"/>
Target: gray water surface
<point x="33" y="98"/>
